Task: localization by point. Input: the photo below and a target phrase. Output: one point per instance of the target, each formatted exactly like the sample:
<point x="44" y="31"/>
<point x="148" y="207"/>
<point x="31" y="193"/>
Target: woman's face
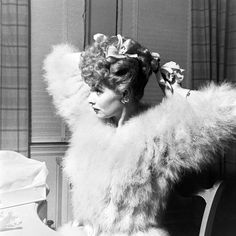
<point x="105" y="102"/>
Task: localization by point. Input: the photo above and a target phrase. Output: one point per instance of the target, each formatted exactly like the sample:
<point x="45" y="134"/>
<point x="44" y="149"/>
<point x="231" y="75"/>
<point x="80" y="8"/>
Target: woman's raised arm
<point x="65" y="84"/>
<point x="191" y="129"/>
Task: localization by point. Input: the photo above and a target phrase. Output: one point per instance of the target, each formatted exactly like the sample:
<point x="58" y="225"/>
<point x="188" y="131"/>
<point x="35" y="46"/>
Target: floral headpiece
<point x="119" y="51"/>
<point x="172" y="72"/>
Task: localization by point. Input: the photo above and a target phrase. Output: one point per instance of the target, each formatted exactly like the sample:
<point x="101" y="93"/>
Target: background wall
<point x="52" y="22"/>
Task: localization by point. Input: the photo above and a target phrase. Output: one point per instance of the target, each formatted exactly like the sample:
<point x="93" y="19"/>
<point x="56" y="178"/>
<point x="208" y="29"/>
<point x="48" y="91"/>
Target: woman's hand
<point x="164" y="83"/>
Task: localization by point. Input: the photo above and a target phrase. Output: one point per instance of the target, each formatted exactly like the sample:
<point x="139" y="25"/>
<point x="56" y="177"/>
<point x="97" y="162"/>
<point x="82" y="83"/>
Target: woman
<point x="124" y="156"/>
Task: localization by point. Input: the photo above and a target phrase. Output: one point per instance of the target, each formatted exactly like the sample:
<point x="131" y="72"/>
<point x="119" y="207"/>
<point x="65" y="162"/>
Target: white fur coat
<point x="121" y="177"/>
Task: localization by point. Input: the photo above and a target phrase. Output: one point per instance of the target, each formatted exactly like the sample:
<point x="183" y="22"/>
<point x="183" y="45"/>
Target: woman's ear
<point x="126" y="96"/>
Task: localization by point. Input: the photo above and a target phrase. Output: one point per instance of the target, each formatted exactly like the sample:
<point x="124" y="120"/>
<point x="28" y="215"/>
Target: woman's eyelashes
<point x="97" y="90"/>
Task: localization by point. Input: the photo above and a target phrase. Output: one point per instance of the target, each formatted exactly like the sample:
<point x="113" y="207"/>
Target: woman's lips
<point x="96" y="109"/>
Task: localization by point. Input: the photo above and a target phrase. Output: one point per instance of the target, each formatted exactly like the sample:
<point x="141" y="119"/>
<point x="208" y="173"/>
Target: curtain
<point x="214" y="53"/>
<point x="14" y="75"/>
<point x="208" y="41"/>
<point x="213" y="41"/>
<point x="230" y="156"/>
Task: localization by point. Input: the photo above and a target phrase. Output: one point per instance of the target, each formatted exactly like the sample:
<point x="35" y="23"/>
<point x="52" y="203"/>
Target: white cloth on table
<point x="22" y="180"/>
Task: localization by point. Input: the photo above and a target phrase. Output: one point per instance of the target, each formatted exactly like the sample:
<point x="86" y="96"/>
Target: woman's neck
<point x="129" y="110"/>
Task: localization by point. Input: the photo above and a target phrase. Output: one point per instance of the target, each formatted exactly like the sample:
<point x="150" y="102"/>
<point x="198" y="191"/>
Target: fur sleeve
<point x="65" y="84"/>
<point x="187" y="133"/>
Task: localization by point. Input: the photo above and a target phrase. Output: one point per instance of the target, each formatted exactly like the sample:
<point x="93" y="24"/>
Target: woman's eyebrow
<point x="97" y="87"/>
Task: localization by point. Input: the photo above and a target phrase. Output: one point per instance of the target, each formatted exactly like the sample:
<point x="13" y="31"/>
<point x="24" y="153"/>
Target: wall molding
<point x="59" y="204"/>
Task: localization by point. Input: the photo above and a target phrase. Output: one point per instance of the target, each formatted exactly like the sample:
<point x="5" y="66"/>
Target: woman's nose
<point x="91" y="99"/>
<point x="91" y="103"/>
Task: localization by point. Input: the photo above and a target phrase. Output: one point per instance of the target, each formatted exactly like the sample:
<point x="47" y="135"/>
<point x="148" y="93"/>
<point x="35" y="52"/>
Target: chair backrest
<point x="211" y="197"/>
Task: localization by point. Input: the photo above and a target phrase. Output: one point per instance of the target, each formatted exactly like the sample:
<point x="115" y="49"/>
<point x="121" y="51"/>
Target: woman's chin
<point x="104" y="116"/>
<point x="101" y="115"/>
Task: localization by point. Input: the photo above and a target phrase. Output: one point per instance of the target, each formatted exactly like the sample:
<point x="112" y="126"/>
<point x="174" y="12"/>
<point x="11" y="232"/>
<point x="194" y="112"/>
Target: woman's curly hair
<point x="118" y="74"/>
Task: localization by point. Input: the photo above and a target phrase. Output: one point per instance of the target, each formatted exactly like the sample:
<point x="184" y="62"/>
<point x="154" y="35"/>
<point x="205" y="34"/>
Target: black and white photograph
<point x="117" y="118"/>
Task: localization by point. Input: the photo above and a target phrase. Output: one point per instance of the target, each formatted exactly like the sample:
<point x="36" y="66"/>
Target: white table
<point x="31" y="224"/>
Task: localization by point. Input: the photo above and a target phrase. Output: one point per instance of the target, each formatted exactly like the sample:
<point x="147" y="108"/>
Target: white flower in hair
<point x="99" y="38"/>
<point x="117" y="51"/>
<point x="172" y="71"/>
<point x="171" y="65"/>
